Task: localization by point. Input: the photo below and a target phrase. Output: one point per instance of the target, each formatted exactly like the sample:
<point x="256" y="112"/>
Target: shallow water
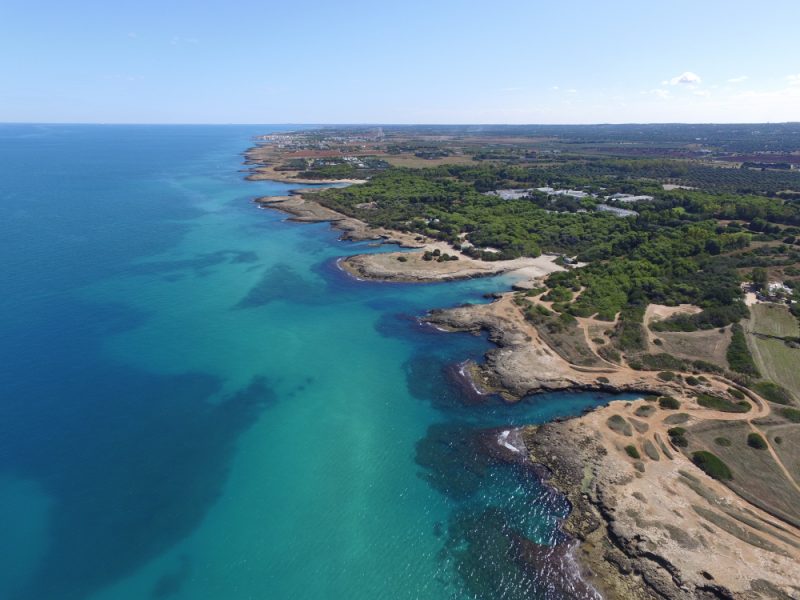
<point x="197" y="404"/>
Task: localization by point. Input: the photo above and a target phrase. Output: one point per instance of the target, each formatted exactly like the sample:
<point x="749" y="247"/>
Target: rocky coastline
<point x="640" y="523"/>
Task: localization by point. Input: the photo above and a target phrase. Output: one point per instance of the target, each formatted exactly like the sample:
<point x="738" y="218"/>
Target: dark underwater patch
<point x="130" y="473"/>
<point x="199" y="264"/>
<point x="282" y="282"/>
<point x="170" y="583"/>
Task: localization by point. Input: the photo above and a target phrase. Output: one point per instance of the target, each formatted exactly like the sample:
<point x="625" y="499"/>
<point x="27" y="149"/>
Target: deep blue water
<point x="197" y="404"/>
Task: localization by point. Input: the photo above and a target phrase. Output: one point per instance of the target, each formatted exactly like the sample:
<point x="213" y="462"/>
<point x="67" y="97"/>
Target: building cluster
<point x="516" y="194"/>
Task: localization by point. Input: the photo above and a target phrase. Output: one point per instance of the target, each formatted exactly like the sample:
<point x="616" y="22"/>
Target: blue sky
<point x="495" y="61"/>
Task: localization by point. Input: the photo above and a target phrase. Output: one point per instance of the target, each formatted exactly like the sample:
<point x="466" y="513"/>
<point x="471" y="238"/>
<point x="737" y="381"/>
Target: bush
<point x="722" y="441"/>
<point x="669" y="403"/>
<point x="402" y="258"/>
<point x="666" y="376"/>
<point x="738" y="355"/>
<point x="773" y="392"/>
<point x="721" y="404"/>
<point x="677" y="435"/>
<point x="738" y="394"/>
<point x="602" y="379"/>
<point x="691" y="380"/>
<point x="754" y="440"/>
<point x="662" y="361"/>
<point x="711" y="465"/>
<point x="632" y="451"/>
<point x="792" y="414"/>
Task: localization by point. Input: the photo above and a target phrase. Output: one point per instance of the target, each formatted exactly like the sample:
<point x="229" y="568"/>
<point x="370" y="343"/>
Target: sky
<point x="416" y="61"/>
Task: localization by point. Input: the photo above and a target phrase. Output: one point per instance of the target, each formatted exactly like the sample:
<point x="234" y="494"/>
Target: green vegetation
<point x="754" y="440"/>
<point x="631" y="451"/>
<point x="711" y="465"/>
<point x="773" y="392"/>
<point x="677" y="435"/>
<point x="722" y="404"/>
<point x="738" y="394"/>
<point x="669" y="403"/>
<point x="722" y="441"/>
<point x="739" y="357"/>
<point x="674" y="251"/>
<point x="792" y="414"/>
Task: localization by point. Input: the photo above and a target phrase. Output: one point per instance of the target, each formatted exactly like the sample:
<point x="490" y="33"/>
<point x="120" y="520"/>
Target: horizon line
<point x="389" y="124"/>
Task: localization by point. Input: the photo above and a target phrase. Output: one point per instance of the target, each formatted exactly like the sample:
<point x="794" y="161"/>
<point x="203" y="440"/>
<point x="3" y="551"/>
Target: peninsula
<point x="643" y="260"/>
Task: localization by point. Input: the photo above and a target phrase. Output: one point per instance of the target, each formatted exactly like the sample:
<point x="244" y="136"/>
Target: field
<point x="773" y="319"/>
<point x="708" y="345"/>
<point x="756" y="475"/>
<point x="776" y="361"/>
<point x="415" y="162"/>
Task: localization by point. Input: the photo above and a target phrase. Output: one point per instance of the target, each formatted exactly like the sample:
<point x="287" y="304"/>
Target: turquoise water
<point x="197" y="403"/>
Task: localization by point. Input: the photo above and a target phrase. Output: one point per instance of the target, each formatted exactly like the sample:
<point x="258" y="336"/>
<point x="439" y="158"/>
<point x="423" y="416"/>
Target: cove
<point x="198" y="404"/>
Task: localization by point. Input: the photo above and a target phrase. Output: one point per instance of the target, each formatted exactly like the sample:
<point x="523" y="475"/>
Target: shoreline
<point x="624" y="555"/>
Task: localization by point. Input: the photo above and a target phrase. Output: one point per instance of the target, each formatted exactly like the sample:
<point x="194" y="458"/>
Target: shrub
<point x="738" y="355"/>
<point x="602" y="379"/>
<point x="778" y="440"/>
<point x="722" y="441"/>
<point x="711" y="465"/>
<point x="662" y="362"/>
<point x="721" y="404"/>
<point x="792" y="414"/>
<point x="772" y="392"/>
<point x="691" y="380"/>
<point x="669" y="403"/>
<point x="632" y="451"/>
<point x="666" y="376"/>
<point x="402" y="258"/>
<point x="677" y="435"/>
<point x="754" y="440"/>
<point x="738" y="394"/>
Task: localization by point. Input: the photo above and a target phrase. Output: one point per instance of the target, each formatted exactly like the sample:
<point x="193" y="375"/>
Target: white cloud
<point x="572" y="91"/>
<point x="793" y="79"/>
<point x="739" y="79"/>
<point x="555" y="87"/>
<point x="685" y="78"/>
<point x="701" y="93"/>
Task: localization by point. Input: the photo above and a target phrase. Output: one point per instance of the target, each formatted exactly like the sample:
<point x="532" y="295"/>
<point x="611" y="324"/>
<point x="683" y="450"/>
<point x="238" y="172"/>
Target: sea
<point x="196" y="403"/>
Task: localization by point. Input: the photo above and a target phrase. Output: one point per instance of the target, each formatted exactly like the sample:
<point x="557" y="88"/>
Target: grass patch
<point x="722" y="441"/>
<point x="677" y="419"/>
<point x="619" y="425"/>
<point x="711" y="465"/>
